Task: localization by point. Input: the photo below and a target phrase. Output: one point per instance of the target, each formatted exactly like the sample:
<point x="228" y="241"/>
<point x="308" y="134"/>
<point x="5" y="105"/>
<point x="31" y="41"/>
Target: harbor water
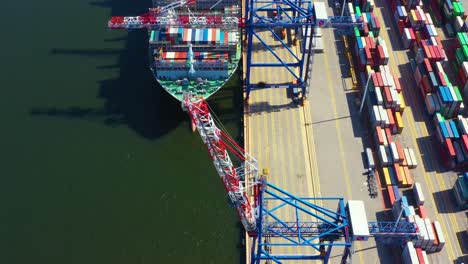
<point x="98" y="164"/>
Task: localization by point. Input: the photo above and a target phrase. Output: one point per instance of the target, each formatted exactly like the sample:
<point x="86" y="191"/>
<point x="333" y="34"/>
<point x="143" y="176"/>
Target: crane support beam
<point x="288" y="220"/>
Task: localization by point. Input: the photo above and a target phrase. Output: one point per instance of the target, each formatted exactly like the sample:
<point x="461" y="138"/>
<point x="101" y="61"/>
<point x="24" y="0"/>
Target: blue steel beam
<point x="293" y="14"/>
<point x="296" y="229"/>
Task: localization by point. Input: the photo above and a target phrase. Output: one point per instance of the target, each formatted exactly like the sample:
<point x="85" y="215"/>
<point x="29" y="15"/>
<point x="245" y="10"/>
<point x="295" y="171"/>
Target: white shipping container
<point x="406" y="38"/>
<point x="440" y="235"/>
<point x="394" y="150"/>
<point x="376" y="115"/>
<point x="465" y="126"/>
<point x="429" y="19"/>
<point x="430" y="231"/>
<point x="413" y="158"/>
<point x="358" y="218"/>
<point x="383" y="115"/>
<point x="408" y="157"/>
<point x="383" y="155"/>
<point x="425" y="258"/>
<point x="370" y="158"/>
<point x="378" y="95"/>
<point x="423" y="230"/>
<point x="395" y="97"/>
<point x="465" y="68"/>
<point x="439" y="67"/>
<point x="458" y="23"/>
<point x="418" y="193"/>
<point x="409" y="254"/>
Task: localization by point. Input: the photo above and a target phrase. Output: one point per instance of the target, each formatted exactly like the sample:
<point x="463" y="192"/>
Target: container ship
<point x="194" y="46"/>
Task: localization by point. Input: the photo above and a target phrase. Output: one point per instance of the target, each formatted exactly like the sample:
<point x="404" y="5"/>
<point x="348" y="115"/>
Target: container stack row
<point x="448" y="12"/>
<point x="442" y="99"/>
<point x="384" y="102"/>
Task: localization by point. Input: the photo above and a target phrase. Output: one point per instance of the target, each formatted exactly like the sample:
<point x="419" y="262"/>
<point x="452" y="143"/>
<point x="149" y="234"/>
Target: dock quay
<point x="318" y="149"/>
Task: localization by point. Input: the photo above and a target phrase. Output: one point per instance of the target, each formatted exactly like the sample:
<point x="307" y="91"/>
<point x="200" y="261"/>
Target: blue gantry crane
<point x="286" y="21"/>
<point x="274" y="218"/>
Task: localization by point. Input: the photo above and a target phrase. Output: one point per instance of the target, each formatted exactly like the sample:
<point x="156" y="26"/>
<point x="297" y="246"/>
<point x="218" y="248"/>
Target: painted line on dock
<point x="338" y="131"/>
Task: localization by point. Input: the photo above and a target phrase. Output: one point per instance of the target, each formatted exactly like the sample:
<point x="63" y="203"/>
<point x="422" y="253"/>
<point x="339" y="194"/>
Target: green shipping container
<point x="465" y="36"/>
<point x="465" y="52"/>
<point x="461" y="38"/>
<point x="356" y="32"/>
<point x="457" y="92"/>
<point x="459" y="56"/>
<point x="358" y="11"/>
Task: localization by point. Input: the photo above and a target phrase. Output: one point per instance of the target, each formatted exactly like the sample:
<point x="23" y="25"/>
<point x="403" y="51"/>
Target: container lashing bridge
<point x="295" y="17"/>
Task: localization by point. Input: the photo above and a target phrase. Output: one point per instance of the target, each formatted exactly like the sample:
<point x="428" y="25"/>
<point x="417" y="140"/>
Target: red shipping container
<point x="375" y="80"/>
<point x="441" y="79"/>
<point x="397" y="84"/>
<point x="426" y="84"/>
<point x="461" y="76"/>
<point x="401" y="25"/>
<point x="381" y="83"/>
<point x="399" y="177"/>
<point x="422" y="211"/>
<point x="391" y="195"/>
<point x="377" y="22"/>
<point x="366" y="29"/>
<point x="389" y="135"/>
<point x="465" y="142"/>
<point x="388" y="96"/>
<point x="427" y="52"/>
<point x="420" y="256"/>
<point x="449" y="147"/>
<point x="381" y="55"/>
<point x="427" y="65"/>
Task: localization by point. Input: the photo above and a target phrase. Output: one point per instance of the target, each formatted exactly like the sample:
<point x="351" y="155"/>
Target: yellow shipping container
<point x="399" y="122"/>
<point x="402" y="170"/>
<point x="402" y="103"/>
<point x="388" y="181"/>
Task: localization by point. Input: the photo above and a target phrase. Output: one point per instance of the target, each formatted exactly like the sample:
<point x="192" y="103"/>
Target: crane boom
<point x="219" y="144"/>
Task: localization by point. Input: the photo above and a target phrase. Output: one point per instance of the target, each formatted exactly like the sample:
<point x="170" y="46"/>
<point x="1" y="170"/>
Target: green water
<point x="97" y="164"/>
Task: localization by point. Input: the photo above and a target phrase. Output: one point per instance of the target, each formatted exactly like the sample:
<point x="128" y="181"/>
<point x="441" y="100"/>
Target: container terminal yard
<point x="355" y="124"/>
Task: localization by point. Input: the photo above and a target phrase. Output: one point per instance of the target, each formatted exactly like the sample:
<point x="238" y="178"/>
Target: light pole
<point x="365" y="91"/>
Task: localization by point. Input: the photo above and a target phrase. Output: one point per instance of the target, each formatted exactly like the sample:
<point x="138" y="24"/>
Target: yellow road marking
<point x="340" y="141"/>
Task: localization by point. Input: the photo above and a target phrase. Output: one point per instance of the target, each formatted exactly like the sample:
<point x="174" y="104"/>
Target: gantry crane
<point x="259" y="202"/>
<point x="256" y="200"/>
<point x="296" y="17"/>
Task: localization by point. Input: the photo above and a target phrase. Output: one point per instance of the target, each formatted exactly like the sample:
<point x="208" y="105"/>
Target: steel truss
<point x="287" y="220"/>
<point x="219" y="144"/>
<point x="293" y="15"/>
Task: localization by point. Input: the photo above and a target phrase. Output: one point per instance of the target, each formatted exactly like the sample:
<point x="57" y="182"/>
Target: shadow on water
<point x="134" y="98"/>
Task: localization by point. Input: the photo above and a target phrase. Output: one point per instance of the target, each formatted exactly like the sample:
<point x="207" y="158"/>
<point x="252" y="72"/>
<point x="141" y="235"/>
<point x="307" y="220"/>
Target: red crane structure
<point x="235" y="179"/>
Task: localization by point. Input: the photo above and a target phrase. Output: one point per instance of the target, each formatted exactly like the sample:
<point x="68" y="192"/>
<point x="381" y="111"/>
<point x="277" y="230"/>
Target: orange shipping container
<point x="389" y="135"/>
<point x="399" y="177"/>
<point x="378" y="134"/>
<point x="409" y="178"/>
<point x="422" y="211"/>
<point x="401" y="153"/>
